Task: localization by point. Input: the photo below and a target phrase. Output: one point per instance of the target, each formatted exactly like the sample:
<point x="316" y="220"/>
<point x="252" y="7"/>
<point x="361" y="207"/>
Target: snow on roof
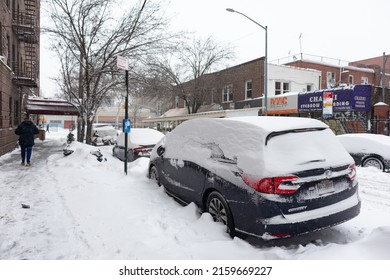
<point x="368" y="70"/>
<point x="381" y="104"/>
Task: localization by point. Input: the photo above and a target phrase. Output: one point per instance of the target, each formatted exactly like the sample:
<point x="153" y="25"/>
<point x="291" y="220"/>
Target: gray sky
<point x="346" y="30"/>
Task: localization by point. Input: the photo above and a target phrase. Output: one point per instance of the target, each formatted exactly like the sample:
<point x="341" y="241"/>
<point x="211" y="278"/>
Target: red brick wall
<point x="236" y="76"/>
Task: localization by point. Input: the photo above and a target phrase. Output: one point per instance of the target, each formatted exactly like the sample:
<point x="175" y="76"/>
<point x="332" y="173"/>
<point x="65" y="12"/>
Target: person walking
<point x="26" y="131"/>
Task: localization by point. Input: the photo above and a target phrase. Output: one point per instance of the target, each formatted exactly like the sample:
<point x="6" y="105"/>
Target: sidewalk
<point x="41" y="151"/>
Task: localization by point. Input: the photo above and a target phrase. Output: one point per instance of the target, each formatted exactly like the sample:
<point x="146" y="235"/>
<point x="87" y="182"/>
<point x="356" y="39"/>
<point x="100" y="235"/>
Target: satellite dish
<point x="332" y="82"/>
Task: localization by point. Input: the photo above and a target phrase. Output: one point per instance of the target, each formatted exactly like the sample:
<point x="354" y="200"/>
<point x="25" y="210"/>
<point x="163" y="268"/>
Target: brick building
<point x="242" y="86"/>
<point x="19" y="64"/>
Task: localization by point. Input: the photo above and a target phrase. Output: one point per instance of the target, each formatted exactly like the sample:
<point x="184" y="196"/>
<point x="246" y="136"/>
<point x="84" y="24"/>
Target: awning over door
<point x="45" y="106"/>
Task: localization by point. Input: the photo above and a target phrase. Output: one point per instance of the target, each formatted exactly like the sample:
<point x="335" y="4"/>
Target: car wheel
<point x="218" y="208"/>
<point x="130" y="156"/>
<point x="153" y="174"/>
<point x="374" y="162"/>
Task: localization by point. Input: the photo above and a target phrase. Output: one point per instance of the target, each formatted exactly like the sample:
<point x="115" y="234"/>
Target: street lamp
<point x="265" y="58"/>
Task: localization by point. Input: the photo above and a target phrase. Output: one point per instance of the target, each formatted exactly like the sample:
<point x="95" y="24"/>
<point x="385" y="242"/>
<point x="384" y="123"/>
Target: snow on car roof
<point x="141" y="136"/>
<point x="271" y="124"/>
<point x="104" y="127"/>
<point x="366" y="143"/>
<point x="243" y="140"/>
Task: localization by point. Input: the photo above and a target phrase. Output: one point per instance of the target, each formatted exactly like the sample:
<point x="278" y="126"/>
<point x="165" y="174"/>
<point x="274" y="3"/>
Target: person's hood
<point x="28" y="122"/>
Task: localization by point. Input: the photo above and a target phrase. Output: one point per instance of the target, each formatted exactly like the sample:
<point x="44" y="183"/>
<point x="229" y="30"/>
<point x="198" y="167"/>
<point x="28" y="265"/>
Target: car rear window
<point x="304" y="149"/>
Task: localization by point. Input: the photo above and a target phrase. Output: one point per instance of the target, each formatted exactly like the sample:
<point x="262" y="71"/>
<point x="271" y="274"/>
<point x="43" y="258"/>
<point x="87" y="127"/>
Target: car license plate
<point x="325" y="187"/>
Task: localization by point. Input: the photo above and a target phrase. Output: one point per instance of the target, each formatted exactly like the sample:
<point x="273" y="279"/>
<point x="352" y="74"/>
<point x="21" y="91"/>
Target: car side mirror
<point x="160" y="151"/>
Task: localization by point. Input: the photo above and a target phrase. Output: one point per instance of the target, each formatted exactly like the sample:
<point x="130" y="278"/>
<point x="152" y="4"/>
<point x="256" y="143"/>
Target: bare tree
<point x="188" y="72"/>
<point x="88" y="39"/>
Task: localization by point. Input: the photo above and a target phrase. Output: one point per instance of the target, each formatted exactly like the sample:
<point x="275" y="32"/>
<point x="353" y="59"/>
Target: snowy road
<point x="84" y="209"/>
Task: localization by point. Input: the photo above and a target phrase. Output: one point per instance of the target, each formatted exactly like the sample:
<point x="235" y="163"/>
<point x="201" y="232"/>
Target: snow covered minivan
<point x="269" y="177"/>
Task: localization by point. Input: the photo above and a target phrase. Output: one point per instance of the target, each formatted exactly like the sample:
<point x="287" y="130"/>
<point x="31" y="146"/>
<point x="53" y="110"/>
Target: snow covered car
<point x="270" y="177"/>
<point x="103" y="134"/>
<point x="140" y="143"/>
<point x="368" y="149"/>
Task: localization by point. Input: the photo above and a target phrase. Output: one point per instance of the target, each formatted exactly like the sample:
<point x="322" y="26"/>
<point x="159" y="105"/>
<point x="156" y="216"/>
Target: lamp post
<point x="265" y="58"/>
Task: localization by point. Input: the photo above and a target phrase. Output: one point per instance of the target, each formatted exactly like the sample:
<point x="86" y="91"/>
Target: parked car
<point x="368" y="149"/>
<point x="270" y="177"/>
<point x="103" y="134"/>
<point x="140" y="143"/>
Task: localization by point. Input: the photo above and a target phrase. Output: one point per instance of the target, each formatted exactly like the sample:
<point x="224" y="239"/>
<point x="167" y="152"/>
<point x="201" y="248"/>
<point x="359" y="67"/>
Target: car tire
<point x="374" y="162"/>
<point x="218" y="208"/>
<point x="130" y="156"/>
<point x="153" y="175"/>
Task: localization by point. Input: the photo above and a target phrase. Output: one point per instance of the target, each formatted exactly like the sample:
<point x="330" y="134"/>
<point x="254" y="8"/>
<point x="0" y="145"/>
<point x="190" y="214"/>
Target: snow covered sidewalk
<point x="81" y="208"/>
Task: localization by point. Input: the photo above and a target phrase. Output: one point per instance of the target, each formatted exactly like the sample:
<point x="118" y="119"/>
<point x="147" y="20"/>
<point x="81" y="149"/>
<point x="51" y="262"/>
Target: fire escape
<point x="25" y="26"/>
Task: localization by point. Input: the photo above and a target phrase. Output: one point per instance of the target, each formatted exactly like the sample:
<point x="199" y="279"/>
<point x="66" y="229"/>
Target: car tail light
<point x="281" y="235"/>
<point x="352" y="172"/>
<point x="140" y="150"/>
<point x="275" y="185"/>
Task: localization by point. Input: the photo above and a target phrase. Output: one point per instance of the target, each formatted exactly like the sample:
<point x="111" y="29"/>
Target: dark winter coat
<point x="26" y="131"/>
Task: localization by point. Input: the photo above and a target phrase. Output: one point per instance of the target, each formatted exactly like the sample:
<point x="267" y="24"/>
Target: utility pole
<point x="383" y="76"/>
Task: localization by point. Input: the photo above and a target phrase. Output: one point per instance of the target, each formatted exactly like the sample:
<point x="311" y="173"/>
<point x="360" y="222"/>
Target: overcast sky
<point x="346" y="30"/>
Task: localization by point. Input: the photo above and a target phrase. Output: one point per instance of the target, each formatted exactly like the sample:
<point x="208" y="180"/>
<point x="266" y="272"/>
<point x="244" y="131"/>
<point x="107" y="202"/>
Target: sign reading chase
<point x="356" y="98"/>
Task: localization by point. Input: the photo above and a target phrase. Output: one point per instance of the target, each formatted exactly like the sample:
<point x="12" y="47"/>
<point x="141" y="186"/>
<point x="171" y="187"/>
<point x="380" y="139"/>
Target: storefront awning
<point x="45" y="106"/>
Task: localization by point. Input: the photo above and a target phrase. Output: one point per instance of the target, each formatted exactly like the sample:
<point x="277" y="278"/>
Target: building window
<point x="8" y="51"/>
<point x="281" y="87"/>
<point x="16" y="113"/>
<point x="350" y="79"/>
<point x="277" y="88"/>
<point x="1" y="109"/>
<point x="364" y="80"/>
<point x="308" y="87"/>
<point x="177" y="101"/>
<point x="227" y="93"/>
<point x="10" y="111"/>
<point x="1" y="39"/>
<point x="286" y="87"/>
<point x="330" y="79"/>
<point x="248" y="90"/>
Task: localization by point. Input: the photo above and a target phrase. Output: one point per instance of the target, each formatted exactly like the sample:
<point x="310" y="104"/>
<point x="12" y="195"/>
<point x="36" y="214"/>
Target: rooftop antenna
<point x="300" y="44"/>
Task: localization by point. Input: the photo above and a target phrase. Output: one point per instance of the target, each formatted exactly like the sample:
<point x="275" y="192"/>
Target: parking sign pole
<point x="123" y="63"/>
<point x="126" y="117"/>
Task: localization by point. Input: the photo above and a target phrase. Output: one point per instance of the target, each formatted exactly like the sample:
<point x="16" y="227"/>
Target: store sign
<point x="346" y="99"/>
<point x="282" y="104"/>
<point x="310" y="101"/>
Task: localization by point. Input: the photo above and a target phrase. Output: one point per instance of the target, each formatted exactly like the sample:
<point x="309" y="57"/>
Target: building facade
<point x="19" y="64"/>
<point x="242" y="86"/>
